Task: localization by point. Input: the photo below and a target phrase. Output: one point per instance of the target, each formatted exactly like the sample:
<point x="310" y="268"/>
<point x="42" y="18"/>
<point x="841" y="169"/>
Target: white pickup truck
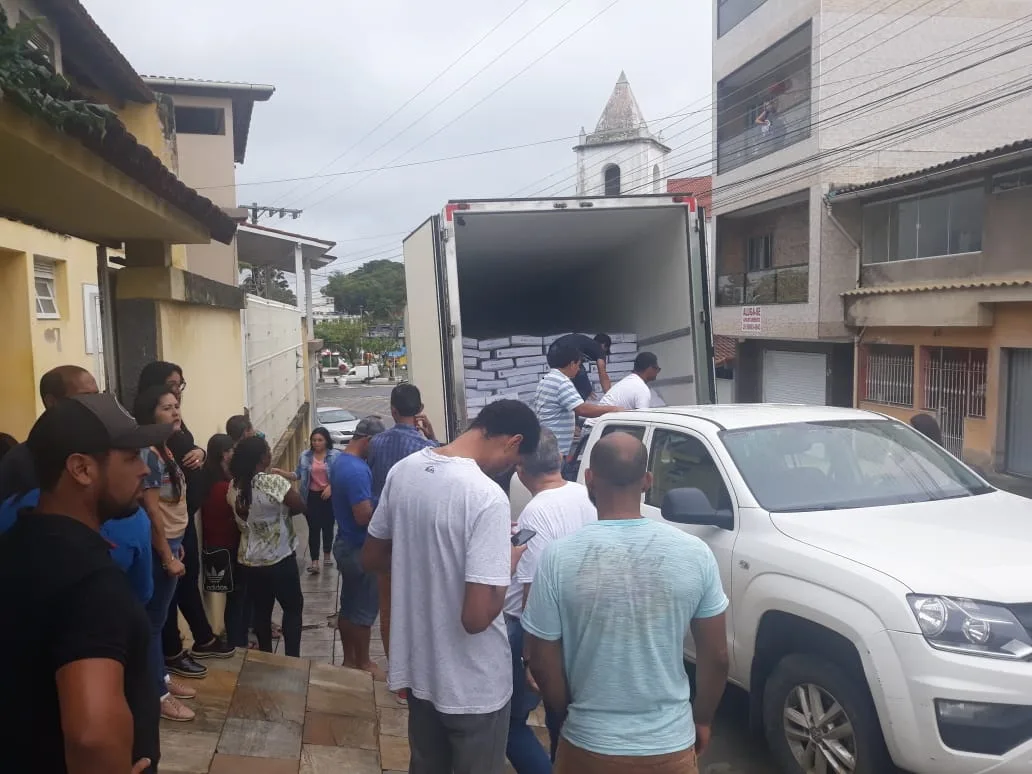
<point x="881" y="591"/>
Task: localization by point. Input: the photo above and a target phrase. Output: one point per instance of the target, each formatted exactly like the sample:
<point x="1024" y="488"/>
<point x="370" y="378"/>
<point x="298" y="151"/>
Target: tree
<point x="345" y="336"/>
<point x="376" y="289"/>
<point x="267" y="282"/>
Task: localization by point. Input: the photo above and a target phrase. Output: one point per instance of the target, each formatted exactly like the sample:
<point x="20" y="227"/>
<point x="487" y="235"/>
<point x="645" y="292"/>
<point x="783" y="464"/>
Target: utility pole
<point x="263" y="210"/>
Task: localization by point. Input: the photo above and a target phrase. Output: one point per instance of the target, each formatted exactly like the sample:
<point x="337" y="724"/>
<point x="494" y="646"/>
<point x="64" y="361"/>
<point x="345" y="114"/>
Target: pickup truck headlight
<point x="976" y="628"/>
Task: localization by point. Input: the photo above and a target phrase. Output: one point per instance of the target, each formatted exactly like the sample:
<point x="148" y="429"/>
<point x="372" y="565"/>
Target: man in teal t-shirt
<point x="608" y="612"/>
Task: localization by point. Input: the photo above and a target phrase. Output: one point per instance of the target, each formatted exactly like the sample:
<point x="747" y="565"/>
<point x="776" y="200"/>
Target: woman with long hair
<point x="164" y="500"/>
<point x="313" y="473"/>
<point x="190" y="459"/>
<point x="264" y="504"/>
<point x="220" y="536"/>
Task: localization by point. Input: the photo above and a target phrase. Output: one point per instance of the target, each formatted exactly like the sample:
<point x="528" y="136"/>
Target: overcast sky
<point x="340" y="68"/>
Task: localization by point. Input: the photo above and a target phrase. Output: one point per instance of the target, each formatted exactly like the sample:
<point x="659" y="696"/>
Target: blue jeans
<point x="157" y="613"/>
<point x="523" y="750"/>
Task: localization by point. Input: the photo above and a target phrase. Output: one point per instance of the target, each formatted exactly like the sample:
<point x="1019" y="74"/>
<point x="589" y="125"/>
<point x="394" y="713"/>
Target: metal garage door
<point x="795" y="377"/>
<point x="1019" y="412"/>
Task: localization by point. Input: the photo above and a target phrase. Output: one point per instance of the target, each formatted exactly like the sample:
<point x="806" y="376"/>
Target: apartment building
<point x="811" y="94"/>
<point x="943" y="311"/>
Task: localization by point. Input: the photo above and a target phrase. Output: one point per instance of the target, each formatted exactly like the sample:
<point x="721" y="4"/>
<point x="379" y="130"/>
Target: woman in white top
<point x="264" y="504"/>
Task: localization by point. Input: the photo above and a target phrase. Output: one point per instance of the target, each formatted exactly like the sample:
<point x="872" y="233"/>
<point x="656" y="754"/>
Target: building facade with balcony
<point x="943" y="311"/>
<point x="810" y="95"/>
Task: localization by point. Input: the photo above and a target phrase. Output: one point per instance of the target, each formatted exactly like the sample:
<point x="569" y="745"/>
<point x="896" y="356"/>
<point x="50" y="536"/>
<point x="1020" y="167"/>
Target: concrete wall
<point x="205" y="342"/>
<point x="790" y="228"/>
<point x="276" y="375"/>
<point x="984" y="439"/>
<point x="29" y="347"/>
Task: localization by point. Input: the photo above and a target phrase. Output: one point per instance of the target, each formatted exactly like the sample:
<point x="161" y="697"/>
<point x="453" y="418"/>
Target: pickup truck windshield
<point x="818" y="466"/>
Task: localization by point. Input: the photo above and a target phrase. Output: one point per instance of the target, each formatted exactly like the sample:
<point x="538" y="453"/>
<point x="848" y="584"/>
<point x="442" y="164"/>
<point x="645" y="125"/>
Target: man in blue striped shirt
<point x="557" y="402"/>
<point x="412" y="432"/>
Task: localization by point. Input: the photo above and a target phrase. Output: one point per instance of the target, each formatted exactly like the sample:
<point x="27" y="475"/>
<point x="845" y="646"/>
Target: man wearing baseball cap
<point x="351" y="482"/>
<point x="80" y="697"/>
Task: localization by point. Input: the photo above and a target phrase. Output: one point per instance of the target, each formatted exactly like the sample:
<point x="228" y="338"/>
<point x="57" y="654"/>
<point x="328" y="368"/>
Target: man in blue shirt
<point x="605" y="625"/>
<point x="412" y="432"/>
<point x="351" y="485"/>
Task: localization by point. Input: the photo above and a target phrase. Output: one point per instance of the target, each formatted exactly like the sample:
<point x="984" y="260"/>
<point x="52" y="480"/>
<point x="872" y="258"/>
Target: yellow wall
<point x="206" y="343"/>
<point x="30" y="347"/>
<point x="1012" y="328"/>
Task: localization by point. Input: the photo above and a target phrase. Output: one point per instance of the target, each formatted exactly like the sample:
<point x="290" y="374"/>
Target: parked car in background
<point x="881" y="599"/>
<point x="340" y="422"/>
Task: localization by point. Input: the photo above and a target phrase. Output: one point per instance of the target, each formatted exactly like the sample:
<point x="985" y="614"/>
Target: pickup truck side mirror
<point x="691" y="506"/>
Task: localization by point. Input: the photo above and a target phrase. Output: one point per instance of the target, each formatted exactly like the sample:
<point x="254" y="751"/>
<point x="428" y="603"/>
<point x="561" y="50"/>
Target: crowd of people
<point x="581" y="603"/>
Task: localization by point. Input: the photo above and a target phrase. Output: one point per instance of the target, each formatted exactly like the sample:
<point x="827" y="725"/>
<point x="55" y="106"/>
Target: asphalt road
<point x="734" y="749"/>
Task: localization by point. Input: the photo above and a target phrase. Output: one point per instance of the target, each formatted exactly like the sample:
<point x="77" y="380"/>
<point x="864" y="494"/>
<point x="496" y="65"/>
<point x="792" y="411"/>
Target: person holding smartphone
<point x="557" y="508"/>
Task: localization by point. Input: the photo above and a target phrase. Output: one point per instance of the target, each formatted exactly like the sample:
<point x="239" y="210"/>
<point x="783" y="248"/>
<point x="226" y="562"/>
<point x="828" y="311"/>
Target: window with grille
<point x="954" y="380"/>
<point x="46" y="290"/>
<point x="887" y="375"/>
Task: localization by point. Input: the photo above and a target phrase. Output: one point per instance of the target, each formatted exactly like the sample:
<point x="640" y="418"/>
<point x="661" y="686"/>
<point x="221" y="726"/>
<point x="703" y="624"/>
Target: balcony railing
<point x="783" y="285"/>
<point x="786" y="129"/>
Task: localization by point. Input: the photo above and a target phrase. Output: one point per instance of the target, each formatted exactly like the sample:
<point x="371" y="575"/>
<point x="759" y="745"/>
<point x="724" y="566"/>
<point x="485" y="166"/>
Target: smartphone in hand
<point x="523" y="537"/>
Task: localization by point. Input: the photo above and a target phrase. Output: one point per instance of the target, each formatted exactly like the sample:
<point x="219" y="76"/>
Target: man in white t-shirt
<point x="558" y="508"/>
<point x="632" y="392"/>
<point x="442" y="530"/>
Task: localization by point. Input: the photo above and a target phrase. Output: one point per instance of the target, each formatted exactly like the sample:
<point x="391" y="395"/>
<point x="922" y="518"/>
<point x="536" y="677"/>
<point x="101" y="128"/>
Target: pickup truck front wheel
<point x="820" y="720"/>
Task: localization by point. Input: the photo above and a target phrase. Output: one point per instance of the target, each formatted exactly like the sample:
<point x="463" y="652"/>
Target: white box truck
<point x="486" y="268"/>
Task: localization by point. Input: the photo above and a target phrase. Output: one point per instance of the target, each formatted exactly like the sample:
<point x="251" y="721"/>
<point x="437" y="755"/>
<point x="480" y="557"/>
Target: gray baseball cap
<point x="369" y="426"/>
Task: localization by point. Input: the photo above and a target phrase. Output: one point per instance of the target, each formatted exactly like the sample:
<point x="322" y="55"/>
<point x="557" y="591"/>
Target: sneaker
<point x="174" y="710"/>
<point x="184" y="666"/>
<point x="179" y="690"/>
<point x="402" y="697"/>
<point x="215" y="649"/>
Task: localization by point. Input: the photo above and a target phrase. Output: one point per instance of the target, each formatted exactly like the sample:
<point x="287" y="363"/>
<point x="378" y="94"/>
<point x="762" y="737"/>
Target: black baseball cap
<point x="90" y="424"/>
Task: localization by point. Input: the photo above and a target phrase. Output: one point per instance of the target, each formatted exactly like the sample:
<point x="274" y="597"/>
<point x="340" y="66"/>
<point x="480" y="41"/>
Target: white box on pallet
<point x="489" y="344"/>
<point x="492" y="384"/>
<point x="549" y="340"/>
<point x="470" y="343"/>
<point x="617" y="349"/>
<point x="518" y="352"/>
<point x="476" y="403"/>
<point x="624" y="338"/>
<point x="470" y="362"/>
<point x="532" y="360"/>
<point x="520" y="341"/>
<point x="471" y="352"/>
<point x="497" y="364"/>
<point x="470" y="382"/>
<point x="507" y="396"/>
<point x="518" y="381"/>
<point x="473" y="373"/>
<point x="621" y="357"/>
<point x="525" y="371"/>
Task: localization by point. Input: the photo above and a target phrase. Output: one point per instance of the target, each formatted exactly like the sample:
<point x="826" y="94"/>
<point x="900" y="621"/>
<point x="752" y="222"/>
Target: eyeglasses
<point x="178" y="387"/>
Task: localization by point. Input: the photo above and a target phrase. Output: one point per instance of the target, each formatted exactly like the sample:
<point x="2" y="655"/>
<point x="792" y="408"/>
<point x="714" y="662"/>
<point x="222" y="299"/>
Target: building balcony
<point x="764" y="105"/>
<point x="784" y="285"/>
<point x="785" y="129"/>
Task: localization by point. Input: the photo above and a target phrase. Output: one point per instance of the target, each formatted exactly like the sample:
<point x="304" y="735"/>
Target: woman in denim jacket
<point x="313" y="472"/>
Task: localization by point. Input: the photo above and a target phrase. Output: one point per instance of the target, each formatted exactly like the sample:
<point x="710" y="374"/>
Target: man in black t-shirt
<point x="595" y="350"/>
<point x="81" y="690"/>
